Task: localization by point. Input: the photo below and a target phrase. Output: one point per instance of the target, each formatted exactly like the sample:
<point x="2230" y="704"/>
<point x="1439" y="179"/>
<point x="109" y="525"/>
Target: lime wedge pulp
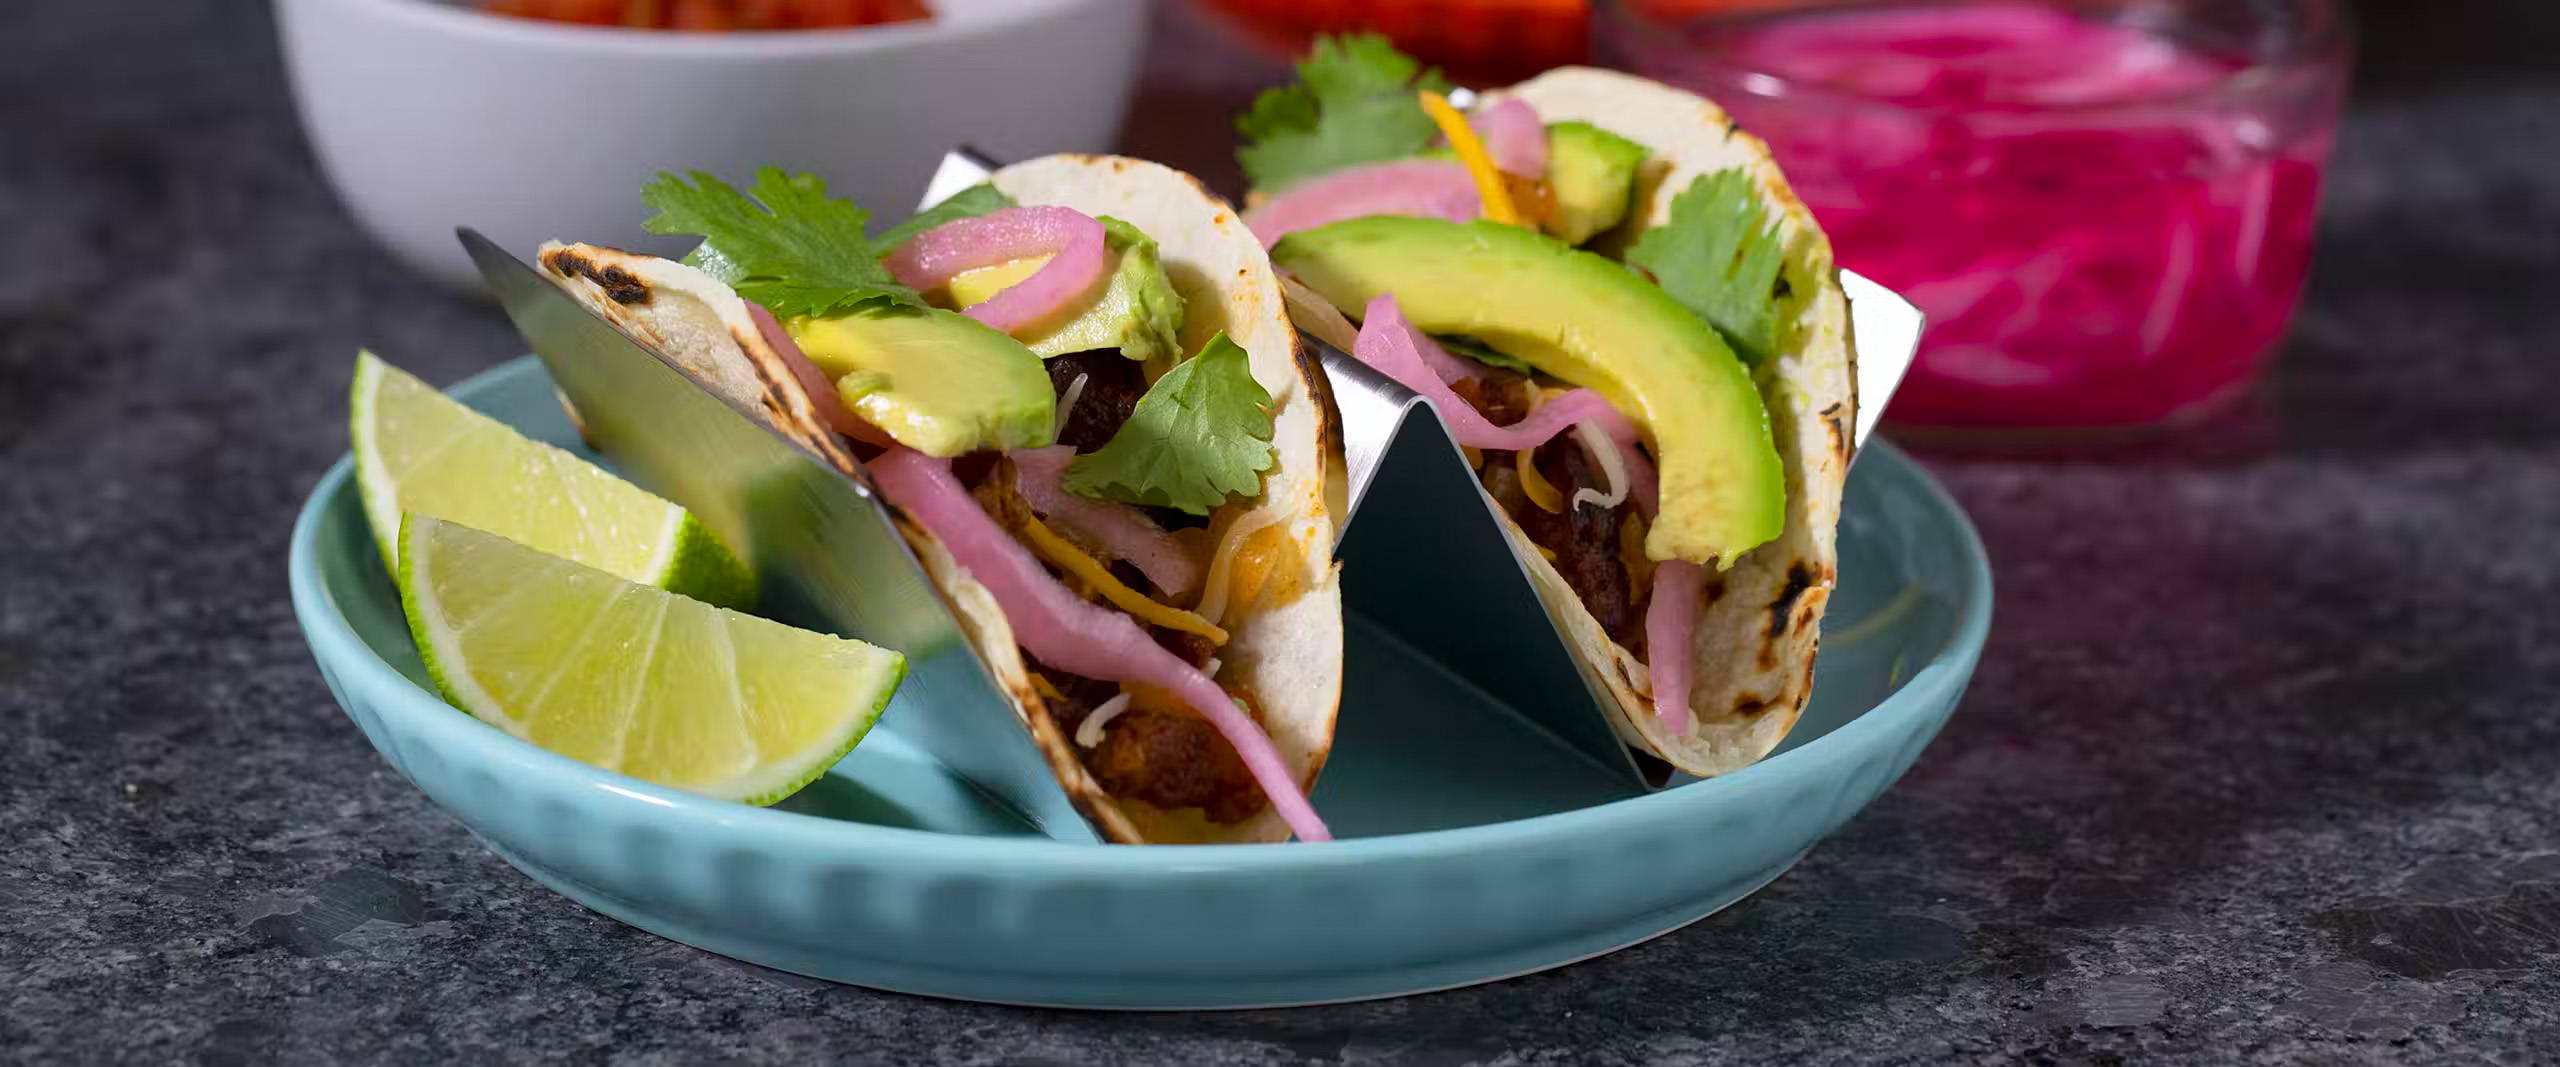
<point x="630" y="678"/>
<point x="418" y="450"/>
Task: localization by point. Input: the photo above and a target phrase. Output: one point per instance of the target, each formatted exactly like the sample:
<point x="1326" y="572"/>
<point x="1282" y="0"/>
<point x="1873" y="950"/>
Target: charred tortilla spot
<point x="1783" y="608"/>
<point x="619" y="285"/>
<point x="1749" y="705"/>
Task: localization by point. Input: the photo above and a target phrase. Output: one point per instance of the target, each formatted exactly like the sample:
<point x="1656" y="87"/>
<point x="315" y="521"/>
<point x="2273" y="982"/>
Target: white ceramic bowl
<point x="427" y="115"/>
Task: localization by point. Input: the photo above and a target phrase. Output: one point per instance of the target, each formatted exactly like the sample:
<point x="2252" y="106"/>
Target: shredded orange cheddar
<point x="1047" y="542"/>
<point x="1471" y="154"/>
<point x="1541" y="492"/>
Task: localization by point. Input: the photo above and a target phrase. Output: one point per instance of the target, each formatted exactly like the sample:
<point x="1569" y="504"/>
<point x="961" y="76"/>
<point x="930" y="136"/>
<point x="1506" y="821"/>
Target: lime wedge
<point x="631" y="678"/>
<point x="418" y="450"/>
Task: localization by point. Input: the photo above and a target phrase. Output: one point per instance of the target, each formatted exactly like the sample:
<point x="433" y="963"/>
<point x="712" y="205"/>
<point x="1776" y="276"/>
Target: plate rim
<point x="352" y="663"/>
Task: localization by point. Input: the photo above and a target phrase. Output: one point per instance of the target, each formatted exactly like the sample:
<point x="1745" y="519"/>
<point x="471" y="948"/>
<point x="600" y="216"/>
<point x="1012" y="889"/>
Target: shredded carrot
<point x="1471" y="153"/>
<point x="1047" y="542"/>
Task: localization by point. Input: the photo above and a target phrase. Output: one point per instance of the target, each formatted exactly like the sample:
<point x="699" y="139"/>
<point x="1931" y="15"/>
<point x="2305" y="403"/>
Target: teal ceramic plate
<point x="1473" y="848"/>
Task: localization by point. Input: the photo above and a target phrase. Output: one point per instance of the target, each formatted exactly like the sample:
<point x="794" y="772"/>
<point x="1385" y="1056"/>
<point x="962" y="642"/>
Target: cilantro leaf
<point x="1354" y="103"/>
<point x="1719" y="254"/>
<point x="968" y="203"/>
<point x="1201" y="434"/>
<point x="1484" y="353"/>
<point x="790" y="248"/>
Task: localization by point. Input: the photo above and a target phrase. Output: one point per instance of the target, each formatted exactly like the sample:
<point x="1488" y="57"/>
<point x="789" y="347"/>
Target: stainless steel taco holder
<point x="824" y="548"/>
<point x="1425" y="562"/>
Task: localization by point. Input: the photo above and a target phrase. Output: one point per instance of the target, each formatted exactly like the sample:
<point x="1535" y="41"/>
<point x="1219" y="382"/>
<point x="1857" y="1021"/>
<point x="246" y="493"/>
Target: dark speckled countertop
<point x="2260" y="764"/>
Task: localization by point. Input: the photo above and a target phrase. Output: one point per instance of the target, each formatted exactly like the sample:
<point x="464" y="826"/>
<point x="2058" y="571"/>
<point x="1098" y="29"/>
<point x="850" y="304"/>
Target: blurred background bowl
<point x="427" y="115"/>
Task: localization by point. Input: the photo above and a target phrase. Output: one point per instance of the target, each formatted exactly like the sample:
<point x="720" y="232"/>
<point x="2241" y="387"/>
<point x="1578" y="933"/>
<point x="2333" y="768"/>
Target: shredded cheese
<point x="1471" y="153"/>
<point x="1541" y="492"/>
<point x="1544" y="551"/>
<point x="1089" y="732"/>
<point x="1612" y="463"/>
<point x="1475" y="457"/>
<point x="1067" y="400"/>
<point x="1047" y="542"/>
<point x="1040" y="684"/>
<point x="1222" y="564"/>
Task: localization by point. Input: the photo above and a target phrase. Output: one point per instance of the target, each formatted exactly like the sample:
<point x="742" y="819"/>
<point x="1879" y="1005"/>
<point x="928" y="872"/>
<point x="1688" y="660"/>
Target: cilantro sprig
<point x="1200" y="434"/>
<point x="1354" y="103"/>
<point x="791" y="248"/>
<point x="1483" y="353"/>
<point x="1719" y="254"/>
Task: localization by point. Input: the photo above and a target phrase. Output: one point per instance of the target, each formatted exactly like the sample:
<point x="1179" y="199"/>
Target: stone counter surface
<point x="2263" y="762"/>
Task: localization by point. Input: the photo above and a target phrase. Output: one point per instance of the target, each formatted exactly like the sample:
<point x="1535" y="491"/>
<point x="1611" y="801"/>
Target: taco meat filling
<point x="1588" y="543"/>
<point x="1155" y="752"/>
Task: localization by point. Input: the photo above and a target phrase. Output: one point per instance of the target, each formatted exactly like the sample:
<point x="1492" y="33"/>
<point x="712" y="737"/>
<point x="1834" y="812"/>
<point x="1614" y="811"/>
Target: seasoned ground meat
<point x="1588" y="553"/>
<point x="1501" y="396"/>
<point x="1112" y="385"/>
<point x="1081" y="695"/>
<point x="1193" y="648"/>
<point x="1584" y="539"/>
<point x="972" y="469"/>
<point x="1172" y="760"/>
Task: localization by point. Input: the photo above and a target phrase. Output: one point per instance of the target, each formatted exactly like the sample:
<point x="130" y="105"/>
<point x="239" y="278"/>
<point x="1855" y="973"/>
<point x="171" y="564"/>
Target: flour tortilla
<point x="1756" y="639"/>
<point x="1284" y="619"/>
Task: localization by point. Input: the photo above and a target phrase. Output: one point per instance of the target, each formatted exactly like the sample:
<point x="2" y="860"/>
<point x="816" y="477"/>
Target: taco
<point x="1078" y="389"/>
<point x="1637" y="330"/>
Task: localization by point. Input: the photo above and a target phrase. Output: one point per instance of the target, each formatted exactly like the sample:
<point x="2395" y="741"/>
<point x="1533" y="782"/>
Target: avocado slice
<point x="1590" y="321"/>
<point x="1137" y="311"/>
<point x="937" y="381"/>
<point x="1593" y="174"/>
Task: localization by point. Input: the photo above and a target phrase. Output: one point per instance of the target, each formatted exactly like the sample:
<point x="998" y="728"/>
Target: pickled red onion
<point x="1671" y="622"/>
<point x="1514" y="137"/>
<point x="931" y="258"/>
<point x="1390" y="345"/>
<point x="1121" y="530"/>
<point x="822" y="393"/>
<point x="1067" y="633"/>
<point x="1432" y="188"/>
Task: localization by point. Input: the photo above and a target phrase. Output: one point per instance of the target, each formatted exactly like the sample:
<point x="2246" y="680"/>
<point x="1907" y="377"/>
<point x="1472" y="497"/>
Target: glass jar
<point x="2105" y="207"/>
